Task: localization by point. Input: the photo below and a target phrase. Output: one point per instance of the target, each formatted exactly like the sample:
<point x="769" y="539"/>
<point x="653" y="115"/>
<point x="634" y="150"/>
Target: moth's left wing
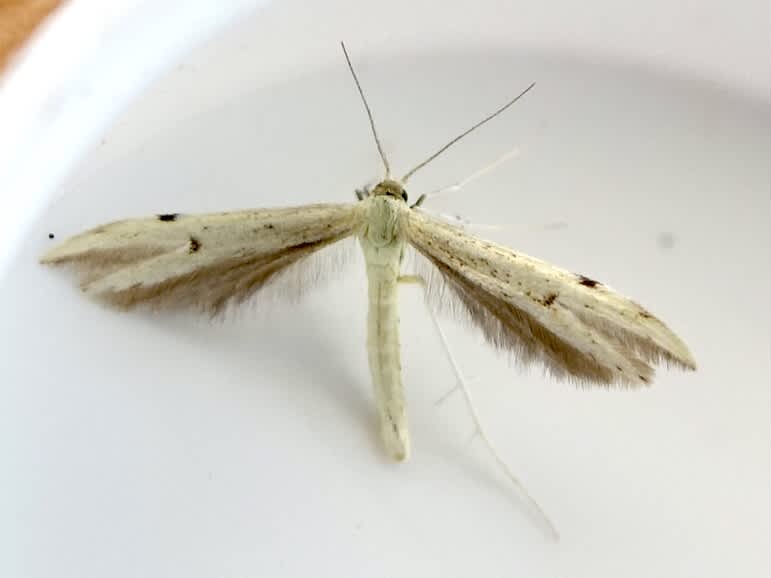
<point x="575" y="326"/>
<point x="201" y="261"/>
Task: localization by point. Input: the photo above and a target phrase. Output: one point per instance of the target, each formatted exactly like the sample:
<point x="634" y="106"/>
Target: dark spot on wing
<point x="587" y="282"/>
<point x="643" y="379"/>
<point x="269" y="226"/>
<point x="645" y="315"/>
<point x="51" y="235"/>
<point x="168" y="217"/>
<point x="549" y="299"/>
<point x="195" y="245"/>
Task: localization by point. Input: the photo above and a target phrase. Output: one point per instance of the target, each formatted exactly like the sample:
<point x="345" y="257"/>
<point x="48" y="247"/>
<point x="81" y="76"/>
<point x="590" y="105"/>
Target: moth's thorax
<point x="382" y="221"/>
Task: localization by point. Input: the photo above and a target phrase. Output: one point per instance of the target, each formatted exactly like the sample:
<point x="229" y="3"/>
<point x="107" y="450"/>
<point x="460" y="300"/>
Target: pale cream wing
<point x="201" y="261"/>
<point x="576" y="327"/>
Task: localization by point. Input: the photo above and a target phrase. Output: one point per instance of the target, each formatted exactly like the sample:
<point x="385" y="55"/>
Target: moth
<point x="577" y="328"/>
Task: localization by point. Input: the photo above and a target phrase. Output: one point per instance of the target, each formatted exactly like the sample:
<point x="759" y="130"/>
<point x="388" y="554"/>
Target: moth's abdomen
<point x="383" y="265"/>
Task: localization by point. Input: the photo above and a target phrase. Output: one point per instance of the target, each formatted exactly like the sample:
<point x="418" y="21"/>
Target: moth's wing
<point x="201" y="261"/>
<point x="577" y="327"/>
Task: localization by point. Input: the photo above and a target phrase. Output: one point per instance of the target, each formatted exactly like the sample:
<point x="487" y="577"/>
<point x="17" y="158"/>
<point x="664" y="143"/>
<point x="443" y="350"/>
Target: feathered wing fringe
<point x="576" y="327"/>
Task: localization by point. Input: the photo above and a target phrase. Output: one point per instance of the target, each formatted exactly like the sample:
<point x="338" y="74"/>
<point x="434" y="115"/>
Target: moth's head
<point x="391" y="188"/>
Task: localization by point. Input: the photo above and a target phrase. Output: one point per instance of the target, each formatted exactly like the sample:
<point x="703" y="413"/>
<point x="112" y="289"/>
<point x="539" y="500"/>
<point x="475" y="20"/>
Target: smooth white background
<point x="142" y="445"/>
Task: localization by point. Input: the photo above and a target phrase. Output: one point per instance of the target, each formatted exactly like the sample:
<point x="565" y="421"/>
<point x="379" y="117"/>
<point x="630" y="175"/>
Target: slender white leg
<point x="462" y="386"/>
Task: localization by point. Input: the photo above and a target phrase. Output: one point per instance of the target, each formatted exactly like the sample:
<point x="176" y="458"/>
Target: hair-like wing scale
<point x="202" y="261"/>
<point x="576" y="326"/>
<point x="581" y="354"/>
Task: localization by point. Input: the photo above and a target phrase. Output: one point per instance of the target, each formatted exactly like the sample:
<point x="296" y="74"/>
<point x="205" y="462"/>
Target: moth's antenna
<point x="369" y="113"/>
<point x="455" y="187"/>
<point x="460" y="136"/>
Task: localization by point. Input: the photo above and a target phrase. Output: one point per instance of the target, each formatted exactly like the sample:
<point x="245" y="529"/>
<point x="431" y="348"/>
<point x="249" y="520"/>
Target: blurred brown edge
<point x="18" y="21"/>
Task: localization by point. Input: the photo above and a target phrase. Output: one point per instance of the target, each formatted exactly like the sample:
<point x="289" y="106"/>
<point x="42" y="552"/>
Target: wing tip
<point x="52" y="256"/>
<point x="678" y="354"/>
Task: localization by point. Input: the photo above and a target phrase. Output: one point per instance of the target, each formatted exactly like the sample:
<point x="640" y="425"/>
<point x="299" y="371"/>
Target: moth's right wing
<point x="200" y="261"/>
<point x="576" y="327"/>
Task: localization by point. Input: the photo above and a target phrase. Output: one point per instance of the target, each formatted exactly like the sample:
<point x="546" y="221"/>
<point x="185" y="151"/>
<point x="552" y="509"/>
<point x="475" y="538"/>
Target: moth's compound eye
<point x="404" y="196"/>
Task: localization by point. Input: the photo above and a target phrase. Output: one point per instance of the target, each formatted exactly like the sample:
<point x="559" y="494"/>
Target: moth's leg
<point x="418" y="280"/>
<point x="462" y="385"/>
<point x="455" y="187"/>
<point x="363" y="192"/>
<point x="412" y="280"/>
<point x="419" y="202"/>
<point x="450" y="392"/>
<point x="456" y="219"/>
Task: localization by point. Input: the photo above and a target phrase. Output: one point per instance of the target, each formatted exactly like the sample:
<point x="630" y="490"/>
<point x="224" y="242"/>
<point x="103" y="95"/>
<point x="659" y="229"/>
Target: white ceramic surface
<point x="142" y="445"/>
<point x="79" y="70"/>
